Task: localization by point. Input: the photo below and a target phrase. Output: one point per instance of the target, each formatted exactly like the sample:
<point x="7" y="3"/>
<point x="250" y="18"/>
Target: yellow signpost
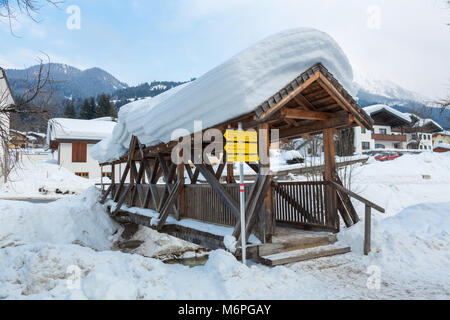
<point x="242" y="146"/>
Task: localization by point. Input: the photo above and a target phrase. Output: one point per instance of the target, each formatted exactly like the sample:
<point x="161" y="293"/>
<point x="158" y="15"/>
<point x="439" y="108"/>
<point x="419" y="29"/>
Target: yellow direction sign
<point x="241" y="148"/>
<point x="242" y="158"/>
<point x="241" y="136"/>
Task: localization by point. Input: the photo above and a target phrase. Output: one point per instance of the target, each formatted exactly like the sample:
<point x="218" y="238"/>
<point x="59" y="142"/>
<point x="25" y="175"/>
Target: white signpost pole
<point x="242" y="202"/>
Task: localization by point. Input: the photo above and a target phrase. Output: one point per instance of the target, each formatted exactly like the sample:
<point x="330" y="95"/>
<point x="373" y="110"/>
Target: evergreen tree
<point x="105" y="107"/>
<point x="88" y="109"/>
<point x="84" y="110"/>
<point x="69" y="109"/>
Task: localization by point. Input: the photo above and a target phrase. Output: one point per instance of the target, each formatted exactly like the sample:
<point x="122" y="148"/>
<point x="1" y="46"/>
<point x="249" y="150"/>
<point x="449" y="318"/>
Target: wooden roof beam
<point x="305" y="114"/>
<point x="289" y="97"/>
<point x="303" y="102"/>
<point x="317" y="126"/>
<point x="328" y="86"/>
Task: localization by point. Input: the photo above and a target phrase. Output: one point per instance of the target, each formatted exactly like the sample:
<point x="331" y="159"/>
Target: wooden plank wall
<point x="299" y="204"/>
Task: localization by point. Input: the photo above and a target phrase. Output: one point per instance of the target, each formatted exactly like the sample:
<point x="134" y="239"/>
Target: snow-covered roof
<point x="442" y="145"/>
<point x="426" y="122"/>
<point x="234" y="88"/>
<point x="75" y="129"/>
<point x="374" y="109"/>
<point x="442" y="133"/>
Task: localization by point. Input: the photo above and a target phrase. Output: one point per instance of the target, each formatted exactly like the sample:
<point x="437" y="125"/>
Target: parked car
<point x="387" y="156"/>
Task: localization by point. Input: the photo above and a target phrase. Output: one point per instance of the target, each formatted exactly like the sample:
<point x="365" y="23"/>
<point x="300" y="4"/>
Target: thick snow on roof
<point x="232" y="89"/>
<point x="76" y="129"/>
<point x="379" y="107"/>
<point x="442" y="145"/>
<point x="424" y="122"/>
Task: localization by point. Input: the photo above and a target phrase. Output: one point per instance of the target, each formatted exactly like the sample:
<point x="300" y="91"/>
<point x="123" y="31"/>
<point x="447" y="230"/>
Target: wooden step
<point x="290" y="244"/>
<point x="303" y="255"/>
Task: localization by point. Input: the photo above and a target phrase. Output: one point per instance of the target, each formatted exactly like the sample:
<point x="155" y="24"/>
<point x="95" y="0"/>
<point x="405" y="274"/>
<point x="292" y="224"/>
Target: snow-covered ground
<point x="63" y="250"/>
<point x="42" y="179"/>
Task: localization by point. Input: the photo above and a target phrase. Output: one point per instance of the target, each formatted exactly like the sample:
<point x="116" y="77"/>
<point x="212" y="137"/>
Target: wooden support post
<point x="181" y="198"/>
<point x="101" y="178"/>
<point x="113" y="179"/>
<point x="268" y="216"/>
<point x="330" y="168"/>
<point x="230" y="173"/>
<point x="367" y="230"/>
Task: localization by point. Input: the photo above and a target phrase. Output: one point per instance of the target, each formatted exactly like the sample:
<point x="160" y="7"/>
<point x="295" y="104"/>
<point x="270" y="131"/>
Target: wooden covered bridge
<point x="284" y="216"/>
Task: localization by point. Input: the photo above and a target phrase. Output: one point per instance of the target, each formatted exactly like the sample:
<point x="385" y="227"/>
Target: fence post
<point x="367" y="226"/>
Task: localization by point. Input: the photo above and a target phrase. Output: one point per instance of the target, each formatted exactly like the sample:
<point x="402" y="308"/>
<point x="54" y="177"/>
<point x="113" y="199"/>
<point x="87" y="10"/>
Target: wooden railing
<point x="389" y="137"/>
<point x="203" y="203"/>
<point x="303" y="204"/>
<point x="368" y="213"/>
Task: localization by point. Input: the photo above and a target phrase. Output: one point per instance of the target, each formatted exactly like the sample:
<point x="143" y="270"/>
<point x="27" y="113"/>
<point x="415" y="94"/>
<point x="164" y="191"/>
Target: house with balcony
<point x="383" y="136"/>
<point x="395" y="131"/>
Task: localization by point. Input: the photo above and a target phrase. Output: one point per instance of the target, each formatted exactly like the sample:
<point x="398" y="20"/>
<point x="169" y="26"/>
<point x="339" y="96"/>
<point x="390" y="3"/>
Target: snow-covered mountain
<point x="373" y="89"/>
<point x="68" y="81"/>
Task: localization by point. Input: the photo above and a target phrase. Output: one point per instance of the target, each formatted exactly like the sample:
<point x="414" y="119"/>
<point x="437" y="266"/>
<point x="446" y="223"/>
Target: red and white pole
<point x="242" y="203"/>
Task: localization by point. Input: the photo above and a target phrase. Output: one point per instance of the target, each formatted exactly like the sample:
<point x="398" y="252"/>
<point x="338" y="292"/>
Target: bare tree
<point x="34" y="100"/>
<point x="10" y="9"/>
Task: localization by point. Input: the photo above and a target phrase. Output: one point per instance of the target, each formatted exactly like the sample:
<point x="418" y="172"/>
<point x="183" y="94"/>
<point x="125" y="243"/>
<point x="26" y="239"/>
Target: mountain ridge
<point x="68" y="81"/>
<point x="73" y="83"/>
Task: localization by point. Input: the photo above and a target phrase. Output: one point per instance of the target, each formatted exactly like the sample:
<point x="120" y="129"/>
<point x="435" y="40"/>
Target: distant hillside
<point x="145" y="90"/>
<point x="376" y="91"/>
<point x="68" y="81"/>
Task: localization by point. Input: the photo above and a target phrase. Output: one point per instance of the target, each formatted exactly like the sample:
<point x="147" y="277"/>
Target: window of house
<point x="383" y="131"/>
<point x="363" y="130"/>
<point x="82" y="174"/>
<point x="366" y="145"/>
<point x="380" y="146"/>
<point x="79" y="152"/>
<point x="107" y="175"/>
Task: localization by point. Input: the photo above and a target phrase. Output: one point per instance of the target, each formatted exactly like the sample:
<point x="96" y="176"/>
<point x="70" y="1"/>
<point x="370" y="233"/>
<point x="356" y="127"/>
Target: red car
<point x="387" y="156"/>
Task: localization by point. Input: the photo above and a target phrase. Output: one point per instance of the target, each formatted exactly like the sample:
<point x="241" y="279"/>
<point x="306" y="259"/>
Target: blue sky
<point x="145" y="40"/>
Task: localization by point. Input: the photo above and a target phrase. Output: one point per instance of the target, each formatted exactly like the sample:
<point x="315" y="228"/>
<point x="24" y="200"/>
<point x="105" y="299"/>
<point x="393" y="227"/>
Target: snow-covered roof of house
<point x="6" y="98"/>
<point x="442" y="146"/>
<point x="443" y="133"/>
<point x="396" y="118"/>
<point x="429" y="122"/>
<point x="235" y="88"/>
<point x="59" y="129"/>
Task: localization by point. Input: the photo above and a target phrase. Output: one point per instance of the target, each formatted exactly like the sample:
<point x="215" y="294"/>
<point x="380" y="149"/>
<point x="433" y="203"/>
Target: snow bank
<point x="79" y="219"/>
<point x="234" y="88"/>
<point x="412" y="247"/>
<point x="42" y="272"/>
<point x="41" y="179"/>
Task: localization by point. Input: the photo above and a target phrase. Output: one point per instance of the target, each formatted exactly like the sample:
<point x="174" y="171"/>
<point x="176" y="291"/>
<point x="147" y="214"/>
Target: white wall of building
<point x="64" y="154"/>
<point x="365" y="136"/>
<point x="426" y="140"/>
<point x="65" y="160"/>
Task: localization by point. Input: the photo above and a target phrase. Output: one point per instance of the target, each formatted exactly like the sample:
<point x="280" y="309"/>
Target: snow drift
<point x="75" y="220"/>
<point x="232" y="89"/>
